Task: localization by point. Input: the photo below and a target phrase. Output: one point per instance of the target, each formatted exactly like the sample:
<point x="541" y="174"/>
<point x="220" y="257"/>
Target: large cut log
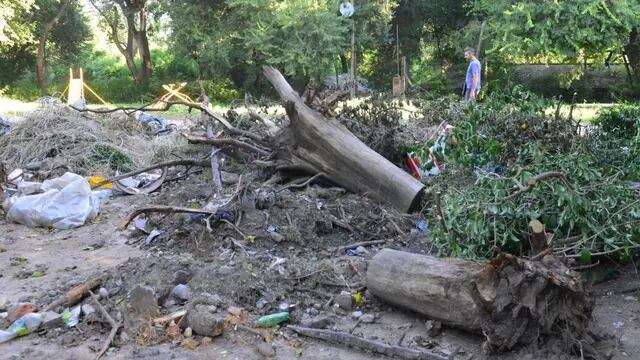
<point x="510" y="300"/>
<point x="315" y="144"/>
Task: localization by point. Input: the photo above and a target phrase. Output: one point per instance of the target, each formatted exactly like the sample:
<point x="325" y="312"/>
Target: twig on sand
<point x="114" y="325"/>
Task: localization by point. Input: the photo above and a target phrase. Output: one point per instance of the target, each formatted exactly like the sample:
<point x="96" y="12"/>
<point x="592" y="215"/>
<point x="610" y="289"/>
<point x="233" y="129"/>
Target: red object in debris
<point x="20" y="310"/>
<point x="414" y="165"/>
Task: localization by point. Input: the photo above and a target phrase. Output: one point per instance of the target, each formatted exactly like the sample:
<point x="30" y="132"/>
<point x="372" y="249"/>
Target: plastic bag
<point x="66" y="203"/>
<point x="21" y="327"/>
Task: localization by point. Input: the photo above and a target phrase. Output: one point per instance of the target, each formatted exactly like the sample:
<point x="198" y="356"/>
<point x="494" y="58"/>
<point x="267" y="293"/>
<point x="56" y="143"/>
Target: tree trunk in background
<point x="41" y="64"/>
<point x="632" y="51"/>
<point x="142" y="42"/>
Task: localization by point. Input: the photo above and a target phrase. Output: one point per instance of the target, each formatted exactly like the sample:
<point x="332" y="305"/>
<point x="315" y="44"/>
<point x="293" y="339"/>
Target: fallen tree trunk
<point x="315" y="144"/>
<point x="510" y="300"/>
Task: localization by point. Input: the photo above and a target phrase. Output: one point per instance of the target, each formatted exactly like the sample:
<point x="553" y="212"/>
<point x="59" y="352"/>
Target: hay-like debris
<point x="65" y="140"/>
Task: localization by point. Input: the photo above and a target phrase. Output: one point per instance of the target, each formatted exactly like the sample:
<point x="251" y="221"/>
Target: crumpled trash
<point x="21" y="327"/>
<point x="67" y="202"/>
<point x="429" y="161"/>
<point x="154" y="123"/>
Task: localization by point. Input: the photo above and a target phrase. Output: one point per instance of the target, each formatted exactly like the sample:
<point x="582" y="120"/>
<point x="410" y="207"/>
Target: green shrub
<point x="620" y="121"/>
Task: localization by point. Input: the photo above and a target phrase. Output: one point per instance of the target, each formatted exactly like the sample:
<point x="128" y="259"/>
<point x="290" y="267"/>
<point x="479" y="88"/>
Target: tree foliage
<point x="560" y="29"/>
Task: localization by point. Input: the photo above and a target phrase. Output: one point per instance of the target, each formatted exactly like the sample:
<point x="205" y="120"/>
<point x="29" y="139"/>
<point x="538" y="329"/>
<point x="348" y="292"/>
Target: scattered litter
<point x="21" y="327"/>
<point x="152" y="235"/>
<point x="618" y="324"/>
<point x="104" y="293"/>
<point x="261" y="303"/>
<point x="156" y="125"/>
<point x="66" y="203"/>
<point x="144" y="183"/>
<point x="71" y="317"/>
<point x="272" y="319"/>
<point x="428" y="161"/>
<point x="422" y="226"/>
<point x="95" y="180"/>
<point x="272" y="228"/>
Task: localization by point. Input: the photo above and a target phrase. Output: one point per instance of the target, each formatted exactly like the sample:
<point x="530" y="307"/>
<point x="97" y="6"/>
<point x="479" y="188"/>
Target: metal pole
<point x="353" y="58"/>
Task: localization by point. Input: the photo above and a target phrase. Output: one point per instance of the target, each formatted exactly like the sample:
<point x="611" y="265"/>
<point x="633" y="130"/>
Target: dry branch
<point x="164" y="210"/>
<point x="360" y="343"/>
<point x="77" y="293"/>
<point x="114" y="325"/>
<point x="194" y="139"/>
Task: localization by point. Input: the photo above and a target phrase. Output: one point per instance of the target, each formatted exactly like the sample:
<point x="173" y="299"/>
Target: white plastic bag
<point x="66" y="203"/>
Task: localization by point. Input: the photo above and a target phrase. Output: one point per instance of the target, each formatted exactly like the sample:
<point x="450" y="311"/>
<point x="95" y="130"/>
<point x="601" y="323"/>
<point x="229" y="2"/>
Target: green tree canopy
<point x="547" y="29"/>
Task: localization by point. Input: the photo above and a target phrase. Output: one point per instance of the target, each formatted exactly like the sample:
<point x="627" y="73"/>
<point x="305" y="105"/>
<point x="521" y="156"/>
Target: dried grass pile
<point x="60" y="139"/>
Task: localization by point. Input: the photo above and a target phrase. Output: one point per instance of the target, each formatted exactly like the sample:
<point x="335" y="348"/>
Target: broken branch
<point x="533" y="181"/>
<point x="114" y="325"/>
<point x="358" y="342"/>
<point x="165" y="210"/>
<point x="194" y="139"/>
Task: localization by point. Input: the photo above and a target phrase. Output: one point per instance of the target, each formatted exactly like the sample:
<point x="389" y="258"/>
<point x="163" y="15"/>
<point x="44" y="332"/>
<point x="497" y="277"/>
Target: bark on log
<point x="510" y="300"/>
<point x="314" y="142"/>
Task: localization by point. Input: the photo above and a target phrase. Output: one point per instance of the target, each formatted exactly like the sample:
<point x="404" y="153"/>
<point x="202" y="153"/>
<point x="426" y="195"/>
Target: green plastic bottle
<point x="273" y="319"/>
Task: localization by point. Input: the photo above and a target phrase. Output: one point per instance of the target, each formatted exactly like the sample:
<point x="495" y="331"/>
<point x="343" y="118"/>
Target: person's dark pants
<point x="467" y="95"/>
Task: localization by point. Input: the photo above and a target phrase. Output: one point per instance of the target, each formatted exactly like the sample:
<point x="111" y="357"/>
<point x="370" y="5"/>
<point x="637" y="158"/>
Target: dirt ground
<point x="67" y="257"/>
<point x="279" y="247"/>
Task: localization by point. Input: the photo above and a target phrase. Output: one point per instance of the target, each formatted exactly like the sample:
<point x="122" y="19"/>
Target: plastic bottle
<point x="273" y="319"/>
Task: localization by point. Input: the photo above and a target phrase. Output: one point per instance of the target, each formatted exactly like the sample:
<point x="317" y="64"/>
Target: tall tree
<point x="130" y="17"/>
<point x="47" y="25"/>
<point x="561" y="29"/>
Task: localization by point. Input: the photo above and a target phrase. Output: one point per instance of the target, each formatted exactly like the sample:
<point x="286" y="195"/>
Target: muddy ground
<point x="280" y="246"/>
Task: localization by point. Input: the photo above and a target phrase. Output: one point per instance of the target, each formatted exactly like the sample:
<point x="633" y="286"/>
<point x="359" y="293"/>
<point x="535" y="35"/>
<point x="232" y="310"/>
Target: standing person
<point x="472" y="81"/>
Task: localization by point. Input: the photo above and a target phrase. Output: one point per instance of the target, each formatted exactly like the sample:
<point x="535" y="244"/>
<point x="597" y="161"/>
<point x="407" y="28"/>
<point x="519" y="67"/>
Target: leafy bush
<point x="586" y="205"/>
<point x="621" y="121"/>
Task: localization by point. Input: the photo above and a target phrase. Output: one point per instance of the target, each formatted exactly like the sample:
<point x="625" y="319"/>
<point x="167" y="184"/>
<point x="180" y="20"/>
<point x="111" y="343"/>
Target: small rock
<point x="229" y="178"/>
<point x="629" y="298"/>
<point x="318" y="322"/>
<point x="182" y="277"/>
<point x="181" y="292"/>
<point x="142" y="306"/>
<point x="234" y="310"/>
<point x="188" y="332"/>
<point x="277" y="237"/>
<point x="212" y="309"/>
<point x="357" y="315"/>
<point x="206" y="341"/>
<point x="51" y="320"/>
<point x="201" y="320"/>
<point x="433" y="327"/>
<point x="367" y="318"/>
<point x="266" y="349"/>
<point x="344" y="301"/>
<point x="225" y="270"/>
<point x="87" y="310"/>
<point x="4" y="303"/>
<point x="104" y="293"/>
